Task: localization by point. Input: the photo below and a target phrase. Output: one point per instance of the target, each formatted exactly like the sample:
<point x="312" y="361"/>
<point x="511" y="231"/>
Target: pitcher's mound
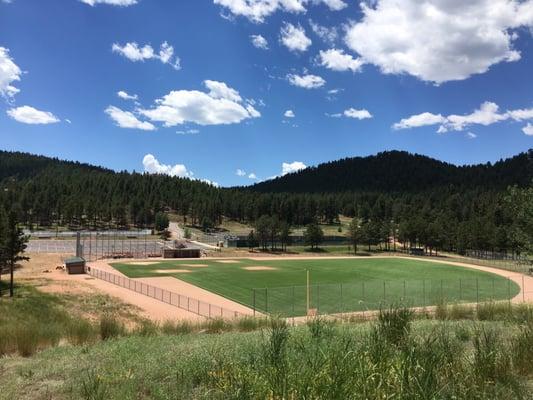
<point x="170" y="271"/>
<point x="259" y="268"/>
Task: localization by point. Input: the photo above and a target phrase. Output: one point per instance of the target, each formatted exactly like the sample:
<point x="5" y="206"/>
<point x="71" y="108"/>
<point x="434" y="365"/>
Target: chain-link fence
<point x="292" y="301"/>
<point x="95" y="246"/>
<point x="190" y="304"/>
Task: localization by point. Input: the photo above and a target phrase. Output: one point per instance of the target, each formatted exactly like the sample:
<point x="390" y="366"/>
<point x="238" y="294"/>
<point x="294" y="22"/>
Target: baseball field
<point x="293" y="287"/>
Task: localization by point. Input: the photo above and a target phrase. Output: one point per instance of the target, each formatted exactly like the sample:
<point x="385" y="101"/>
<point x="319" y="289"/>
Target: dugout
<point x="75" y="265"/>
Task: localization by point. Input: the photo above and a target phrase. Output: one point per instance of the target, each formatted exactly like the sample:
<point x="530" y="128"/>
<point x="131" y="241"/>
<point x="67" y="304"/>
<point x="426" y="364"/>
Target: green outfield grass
<point x="337" y="285"/>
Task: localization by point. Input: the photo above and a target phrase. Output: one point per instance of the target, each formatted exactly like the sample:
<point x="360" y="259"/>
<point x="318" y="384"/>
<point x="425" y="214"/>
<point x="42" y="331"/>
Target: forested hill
<point x="398" y="171"/>
<point x="23" y="165"/>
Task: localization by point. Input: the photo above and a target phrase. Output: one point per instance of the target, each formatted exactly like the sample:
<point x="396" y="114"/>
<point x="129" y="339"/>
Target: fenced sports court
<point x="324" y="299"/>
<point x="96" y="246"/>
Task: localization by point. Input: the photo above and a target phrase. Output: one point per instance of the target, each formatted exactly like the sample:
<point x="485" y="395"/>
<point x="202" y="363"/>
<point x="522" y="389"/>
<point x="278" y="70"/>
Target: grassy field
<point x="394" y="357"/>
<point x="337" y="285"/>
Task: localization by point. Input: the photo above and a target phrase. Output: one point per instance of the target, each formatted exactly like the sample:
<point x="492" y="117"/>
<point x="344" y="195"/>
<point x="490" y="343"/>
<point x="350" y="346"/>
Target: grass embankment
<point x="367" y="283"/>
<point x="33" y="320"/>
<point x="393" y="357"/>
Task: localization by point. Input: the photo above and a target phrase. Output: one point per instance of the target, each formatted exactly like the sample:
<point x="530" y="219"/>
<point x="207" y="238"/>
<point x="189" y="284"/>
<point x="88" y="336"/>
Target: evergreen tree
<point x="313" y="235"/>
<point x="14" y="245"/>
<point x="354" y="233"/>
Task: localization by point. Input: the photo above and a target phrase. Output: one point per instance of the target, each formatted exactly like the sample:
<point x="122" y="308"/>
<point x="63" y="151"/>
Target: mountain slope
<point x="397" y="171"/>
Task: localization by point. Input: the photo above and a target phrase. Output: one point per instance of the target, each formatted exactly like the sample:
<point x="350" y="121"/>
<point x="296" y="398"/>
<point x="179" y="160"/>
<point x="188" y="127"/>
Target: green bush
<point x="80" y="331"/>
<point x="110" y="327"/>
<point x="394" y="324"/>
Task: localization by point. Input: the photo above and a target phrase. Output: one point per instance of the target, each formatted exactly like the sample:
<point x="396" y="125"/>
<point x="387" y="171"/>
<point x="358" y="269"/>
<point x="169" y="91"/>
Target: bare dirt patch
<point x="259" y="268"/>
<point x="227" y="261"/>
<point x="170" y="271"/>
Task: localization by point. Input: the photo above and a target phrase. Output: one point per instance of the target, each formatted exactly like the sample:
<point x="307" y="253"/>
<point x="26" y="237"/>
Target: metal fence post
<point x="477" y="290"/>
<point x="441" y="292"/>
<point x="404" y="291"/>
<point x="460" y="290"/>
<point x="293" y="300"/>
<point x="266" y="300"/>
<point x="342" y="303"/>
<point x="253" y="299"/>
<point x="424" y="291"/>
<point x="318" y="299"/>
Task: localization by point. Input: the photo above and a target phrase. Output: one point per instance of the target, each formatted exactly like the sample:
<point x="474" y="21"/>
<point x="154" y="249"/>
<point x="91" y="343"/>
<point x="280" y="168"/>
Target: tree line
<point x="475" y="213"/>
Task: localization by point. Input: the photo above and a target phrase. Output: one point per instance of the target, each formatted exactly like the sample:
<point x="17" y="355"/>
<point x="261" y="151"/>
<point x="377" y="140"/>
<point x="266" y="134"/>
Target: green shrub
<point x="441" y="311"/>
<point x="522" y="350"/>
<point x="147" y="328"/>
<point x="26" y="340"/>
<point x="461" y="311"/>
<point x="217" y="325"/>
<point x="492" y="311"/>
<point x="80" y="331"/>
<point x="394" y="324"/>
<point x="110" y="327"/>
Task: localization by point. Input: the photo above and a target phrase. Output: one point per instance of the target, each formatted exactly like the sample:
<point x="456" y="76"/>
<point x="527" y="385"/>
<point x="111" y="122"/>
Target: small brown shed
<point x="75" y="265"/>
<point x="181" y="253"/>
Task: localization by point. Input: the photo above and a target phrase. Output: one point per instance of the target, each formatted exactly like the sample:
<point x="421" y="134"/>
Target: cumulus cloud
<point x="307" y="81"/>
<point x="252" y="176"/>
<point x="30" y="115"/>
<point x="338" y="60"/>
<point x="258" y="10"/>
<point x="153" y="166"/>
<point x="126" y="119"/>
<point x="259" y="41"/>
<point x="9" y="73"/>
<point x="328" y="35"/>
<point x="416" y="121"/>
<point x="487" y="114"/>
<point x="528" y="129"/>
<point x="294" y="37"/>
<point x="289" y="114"/>
<point x="439" y="40"/>
<point x="221" y="105"/>
<point x="357" y="114"/>
<point x="124" y="95"/>
<point x="353" y="113"/>
<point x="134" y="53"/>
<point x="471" y="135"/>
<point x="123" y="3"/>
<point x="287" y="168"/>
<point x="240" y="172"/>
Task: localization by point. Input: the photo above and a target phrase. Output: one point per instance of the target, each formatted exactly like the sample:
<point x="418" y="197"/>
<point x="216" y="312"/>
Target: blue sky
<point x="239" y="90"/>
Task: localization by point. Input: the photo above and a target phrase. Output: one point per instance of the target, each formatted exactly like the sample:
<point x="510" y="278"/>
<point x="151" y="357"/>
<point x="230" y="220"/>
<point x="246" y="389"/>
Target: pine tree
<point x="14" y="246"/>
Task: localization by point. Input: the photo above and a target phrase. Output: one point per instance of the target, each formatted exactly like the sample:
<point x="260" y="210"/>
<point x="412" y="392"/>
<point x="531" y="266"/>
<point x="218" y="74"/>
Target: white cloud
<point x="528" y="129"/>
<point x="153" y="166"/>
<point x="328" y="35"/>
<point x="124" y="95"/>
<point x="337" y="60"/>
<point x="9" y="73"/>
<point x="259" y="41"/>
<point x="357" y="114"/>
<point x="306" y="81"/>
<point x="335" y="5"/>
<point x="439" y="40"/>
<point x="287" y="168"/>
<point x="30" y="115"/>
<point x="252" y="176"/>
<point x="258" y="10"/>
<point x="126" y="119"/>
<point x="487" y="114"/>
<point x="289" y="114"/>
<point x="419" y="120"/>
<point x="221" y="105"/>
<point x="134" y="53"/>
<point x="123" y="3"/>
<point x="471" y="135"/>
<point x="294" y="38"/>
<point x="188" y="132"/>
<point x="219" y="90"/>
<point x="240" y="172"/>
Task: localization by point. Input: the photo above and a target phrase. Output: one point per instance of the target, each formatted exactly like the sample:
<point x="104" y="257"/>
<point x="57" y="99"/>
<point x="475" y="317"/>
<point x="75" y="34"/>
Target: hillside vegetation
<point x="415" y="199"/>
